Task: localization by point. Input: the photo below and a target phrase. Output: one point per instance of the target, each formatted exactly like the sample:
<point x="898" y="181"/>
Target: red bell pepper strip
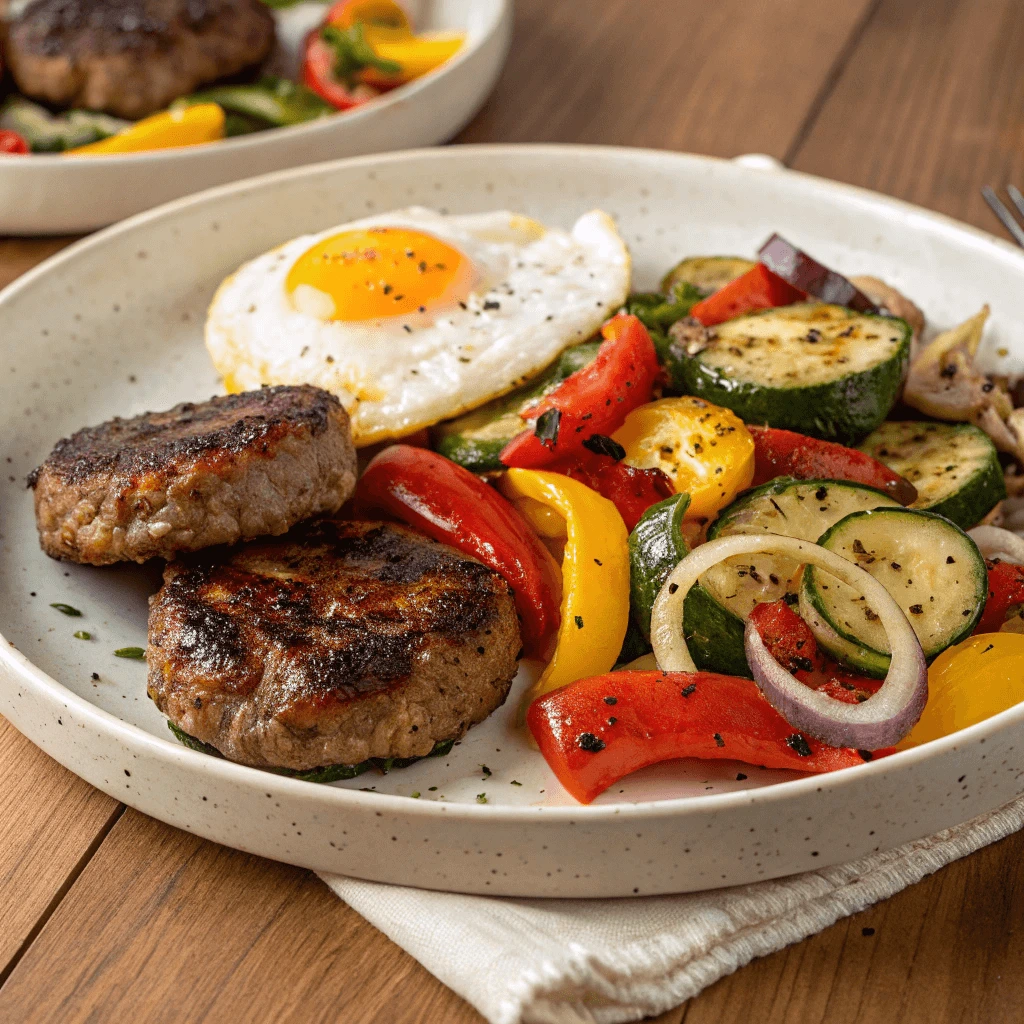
<point x="1005" y="590"/>
<point x="632" y="491"/>
<point x="444" y="501"/>
<point x="593" y="400"/>
<point x="318" y="74"/>
<point x="785" y="453"/>
<point x="598" y="730"/>
<point x="757" y="289"/>
<point x="791" y="643"/>
<point x="12" y="144"/>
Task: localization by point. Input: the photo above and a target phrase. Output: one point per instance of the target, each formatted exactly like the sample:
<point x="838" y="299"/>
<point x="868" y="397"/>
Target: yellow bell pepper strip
<point x="383" y="17"/>
<point x="416" y="55"/>
<point x="595" y="577"/>
<point x="170" y="129"/>
<point x="705" y="450"/>
<point x="969" y="683"/>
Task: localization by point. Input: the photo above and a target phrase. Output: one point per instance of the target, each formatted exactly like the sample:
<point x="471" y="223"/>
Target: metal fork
<point x="1002" y="211"/>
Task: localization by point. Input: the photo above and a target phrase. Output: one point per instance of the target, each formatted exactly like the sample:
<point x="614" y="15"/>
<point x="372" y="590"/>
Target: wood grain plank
<point x="20" y="254"/>
<point x="162" y="926"/>
<point x="672" y="74"/>
<point x="929" y="107"/>
<point x="947" y="949"/>
<point x="51" y="819"/>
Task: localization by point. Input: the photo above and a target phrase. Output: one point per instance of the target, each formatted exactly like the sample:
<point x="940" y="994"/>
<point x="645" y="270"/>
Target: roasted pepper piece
<point x="969" y="683"/>
<point x="448" y="503"/>
<point x="170" y="129"/>
<point x="1005" y="593"/>
<point x="757" y="289"/>
<point x="602" y="728"/>
<point x="786" y="453"/>
<point x="594" y="400"/>
<point x="656" y="547"/>
<point x="706" y="451"/>
<point x="595" y="577"/>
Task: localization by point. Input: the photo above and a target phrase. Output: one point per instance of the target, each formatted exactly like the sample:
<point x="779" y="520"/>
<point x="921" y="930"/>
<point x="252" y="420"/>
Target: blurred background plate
<point x="48" y="194"/>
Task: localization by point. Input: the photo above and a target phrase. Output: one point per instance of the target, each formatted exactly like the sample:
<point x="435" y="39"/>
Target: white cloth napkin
<point x="609" y="961"/>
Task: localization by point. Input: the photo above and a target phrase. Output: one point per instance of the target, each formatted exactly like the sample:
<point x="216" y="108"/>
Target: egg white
<point x="537" y="291"/>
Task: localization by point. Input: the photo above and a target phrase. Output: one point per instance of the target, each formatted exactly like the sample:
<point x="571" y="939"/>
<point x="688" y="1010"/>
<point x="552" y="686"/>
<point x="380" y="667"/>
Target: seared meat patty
<point x="340" y="642"/>
<point x="132" y="57"/>
<point x="229" y="469"/>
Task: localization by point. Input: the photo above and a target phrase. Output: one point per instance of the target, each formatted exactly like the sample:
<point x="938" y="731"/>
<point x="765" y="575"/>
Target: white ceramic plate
<point x="113" y="326"/>
<point x="49" y="194"/>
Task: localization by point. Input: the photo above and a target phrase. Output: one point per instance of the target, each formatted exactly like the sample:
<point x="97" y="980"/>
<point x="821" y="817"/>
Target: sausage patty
<point x="132" y="57"/>
<point x="232" y="468"/>
<point x="341" y="642"/>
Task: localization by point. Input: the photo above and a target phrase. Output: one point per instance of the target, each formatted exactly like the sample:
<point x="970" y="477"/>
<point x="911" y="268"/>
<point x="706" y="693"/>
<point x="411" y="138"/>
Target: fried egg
<point x="414" y="316"/>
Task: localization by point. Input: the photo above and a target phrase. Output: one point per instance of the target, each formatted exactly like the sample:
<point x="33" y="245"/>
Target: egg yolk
<point x="377" y="272"/>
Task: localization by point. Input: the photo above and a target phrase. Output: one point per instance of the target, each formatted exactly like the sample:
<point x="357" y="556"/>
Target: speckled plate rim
<point x="168" y="752"/>
<point x="310" y="129"/>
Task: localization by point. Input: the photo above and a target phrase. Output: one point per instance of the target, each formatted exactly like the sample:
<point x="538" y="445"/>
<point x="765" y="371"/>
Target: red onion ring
<point x="995" y="542"/>
<point x="882" y="720"/>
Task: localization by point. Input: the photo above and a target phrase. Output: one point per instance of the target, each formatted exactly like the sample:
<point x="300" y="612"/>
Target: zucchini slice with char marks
<point x="954" y="467"/>
<point x="930" y="566"/>
<point x="718" y="605"/>
<point x="706" y="273"/>
<point x="476" y="439"/>
<point x="815" y="368"/>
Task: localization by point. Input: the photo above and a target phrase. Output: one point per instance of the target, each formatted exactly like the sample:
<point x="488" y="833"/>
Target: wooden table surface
<point x="107" y="915"/>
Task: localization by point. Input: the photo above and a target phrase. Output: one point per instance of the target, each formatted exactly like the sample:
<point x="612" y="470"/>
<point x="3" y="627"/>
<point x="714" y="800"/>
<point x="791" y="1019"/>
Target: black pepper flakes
<point x="589" y="742"/>
<point x="798" y="745"/>
<point x="579" y="621"/>
<point x="719" y="742"/>
<point x="611" y="700"/>
<point x="688" y="690"/>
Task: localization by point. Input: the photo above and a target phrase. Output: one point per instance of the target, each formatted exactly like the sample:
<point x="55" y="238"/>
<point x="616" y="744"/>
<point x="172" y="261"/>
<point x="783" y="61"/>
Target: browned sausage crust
<point x="133" y="57"/>
<point x="340" y="642"/>
<point x="233" y="468"/>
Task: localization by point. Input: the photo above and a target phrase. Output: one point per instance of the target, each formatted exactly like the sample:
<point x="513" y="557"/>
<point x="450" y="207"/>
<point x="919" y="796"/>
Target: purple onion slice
<point x="882" y="720"/>
<point x="806" y="273"/>
<point x="995" y="542"/>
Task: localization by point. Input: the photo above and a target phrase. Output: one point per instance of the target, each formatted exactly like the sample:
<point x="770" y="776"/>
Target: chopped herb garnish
<point x="415" y="795"/>
<point x="130" y="652"/>
<point x="579" y="621"/>
<point x="799" y="745"/>
<point x="486" y="770"/>
<point x="433" y="789"/>
<point x="546" y="427"/>
<point x="514" y="782"/>
<point x="600" y="444"/>
<point x="481" y="798"/>
<point x="66" y="609"/>
<point x="83" y="635"/>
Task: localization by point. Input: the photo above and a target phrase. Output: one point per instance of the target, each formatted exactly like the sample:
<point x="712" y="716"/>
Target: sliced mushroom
<point x="944" y="383"/>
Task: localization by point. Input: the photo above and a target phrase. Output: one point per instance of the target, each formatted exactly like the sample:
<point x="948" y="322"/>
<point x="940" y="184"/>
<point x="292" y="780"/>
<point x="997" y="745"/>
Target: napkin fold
<point x="544" y="961"/>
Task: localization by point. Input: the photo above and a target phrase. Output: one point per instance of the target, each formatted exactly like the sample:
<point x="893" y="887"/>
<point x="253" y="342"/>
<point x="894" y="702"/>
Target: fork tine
<point x="1006" y="218"/>
<point x="1018" y="200"/>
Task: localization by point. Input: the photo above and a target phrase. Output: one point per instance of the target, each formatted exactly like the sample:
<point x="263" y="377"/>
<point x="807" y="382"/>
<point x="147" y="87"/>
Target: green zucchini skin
<point x="656" y="547"/>
<point x="706" y="273"/>
<point x="939" y="539"/>
<point x="475" y="440"/>
<point x="658" y="311"/>
<point x="328" y="773"/>
<point x="843" y="409"/>
<point x="954" y="466"/>
<point x="796" y="508"/>
<point x="714" y="635"/>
